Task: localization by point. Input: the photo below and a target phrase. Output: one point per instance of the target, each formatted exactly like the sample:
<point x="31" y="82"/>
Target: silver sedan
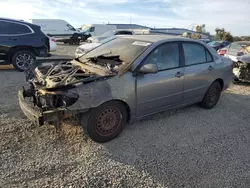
<point x="127" y="79"/>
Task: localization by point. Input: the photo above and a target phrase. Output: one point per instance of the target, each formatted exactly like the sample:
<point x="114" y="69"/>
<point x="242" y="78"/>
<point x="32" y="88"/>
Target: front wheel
<point x="23" y="59"/>
<point x="212" y="96"/>
<point x="105" y="122"/>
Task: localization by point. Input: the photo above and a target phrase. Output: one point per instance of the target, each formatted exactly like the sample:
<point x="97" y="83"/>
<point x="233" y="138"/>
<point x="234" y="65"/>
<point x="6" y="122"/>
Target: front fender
<point x="91" y="95"/>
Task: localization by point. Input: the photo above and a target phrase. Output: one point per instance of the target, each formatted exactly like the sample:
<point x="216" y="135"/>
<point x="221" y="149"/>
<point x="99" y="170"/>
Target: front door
<point x="164" y="89"/>
<point x="198" y="70"/>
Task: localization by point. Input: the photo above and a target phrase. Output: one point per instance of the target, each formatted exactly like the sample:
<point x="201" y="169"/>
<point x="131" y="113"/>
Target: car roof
<point x="17" y="21"/>
<point x="13" y="20"/>
<point x="156" y="38"/>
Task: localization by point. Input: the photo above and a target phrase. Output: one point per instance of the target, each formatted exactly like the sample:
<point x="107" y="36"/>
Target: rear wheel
<point x="22" y="60"/>
<point x="105" y="122"/>
<point x="212" y="95"/>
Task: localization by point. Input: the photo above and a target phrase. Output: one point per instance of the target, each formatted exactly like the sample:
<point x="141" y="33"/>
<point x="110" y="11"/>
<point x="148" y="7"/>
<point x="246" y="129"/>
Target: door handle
<point x="179" y="74"/>
<point x="210" y="67"/>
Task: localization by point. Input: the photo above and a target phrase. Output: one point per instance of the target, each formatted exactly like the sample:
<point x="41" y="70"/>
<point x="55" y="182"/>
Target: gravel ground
<point x="189" y="147"/>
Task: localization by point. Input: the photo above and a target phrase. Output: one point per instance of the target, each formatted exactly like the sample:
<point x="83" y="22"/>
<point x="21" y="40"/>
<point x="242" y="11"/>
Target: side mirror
<point x="149" y="68"/>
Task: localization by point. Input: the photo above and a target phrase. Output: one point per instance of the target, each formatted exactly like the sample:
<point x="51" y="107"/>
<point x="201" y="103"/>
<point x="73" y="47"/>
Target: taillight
<point x="54" y="40"/>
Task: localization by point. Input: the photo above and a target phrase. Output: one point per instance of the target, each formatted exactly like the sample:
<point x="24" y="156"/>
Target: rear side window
<point x="9" y="28"/>
<point x="194" y="53"/>
<point x="209" y="56"/>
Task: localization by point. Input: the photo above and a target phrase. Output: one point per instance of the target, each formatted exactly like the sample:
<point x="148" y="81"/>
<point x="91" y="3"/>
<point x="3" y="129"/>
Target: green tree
<point x="228" y="37"/>
<point x="222" y="34"/>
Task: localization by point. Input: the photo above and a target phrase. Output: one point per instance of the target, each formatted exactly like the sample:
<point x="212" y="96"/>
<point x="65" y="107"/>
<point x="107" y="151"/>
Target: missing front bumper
<point x="36" y="115"/>
<point x="30" y="111"/>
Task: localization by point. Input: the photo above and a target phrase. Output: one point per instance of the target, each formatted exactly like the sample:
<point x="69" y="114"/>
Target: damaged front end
<point x="241" y="69"/>
<point x="51" y="90"/>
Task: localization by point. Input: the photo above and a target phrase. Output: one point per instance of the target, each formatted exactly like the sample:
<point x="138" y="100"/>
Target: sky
<point x="229" y="14"/>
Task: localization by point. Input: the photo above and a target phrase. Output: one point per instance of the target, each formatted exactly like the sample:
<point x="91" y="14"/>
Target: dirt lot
<point x="189" y="147"/>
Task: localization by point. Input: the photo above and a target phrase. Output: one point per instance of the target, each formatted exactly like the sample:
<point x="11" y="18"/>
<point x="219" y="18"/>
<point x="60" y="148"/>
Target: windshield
<point x="107" y="39"/>
<point x="107" y="34"/>
<point x="213" y="43"/>
<point x="86" y="27"/>
<point x="127" y="49"/>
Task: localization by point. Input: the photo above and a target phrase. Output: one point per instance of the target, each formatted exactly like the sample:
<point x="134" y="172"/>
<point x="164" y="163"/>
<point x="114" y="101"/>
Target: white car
<point x="52" y="43"/>
<point x="84" y="48"/>
<point x="109" y="34"/>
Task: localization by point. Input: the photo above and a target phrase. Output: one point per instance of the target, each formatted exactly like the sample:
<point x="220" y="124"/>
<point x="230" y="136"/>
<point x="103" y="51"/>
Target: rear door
<point x="198" y="71"/>
<point x="4" y="47"/>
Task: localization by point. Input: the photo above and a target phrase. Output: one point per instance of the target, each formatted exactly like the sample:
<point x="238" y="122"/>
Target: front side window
<point x="92" y="29"/>
<point x="71" y="27"/>
<point x="165" y="56"/>
<point x="194" y="53"/>
<point x="10" y="28"/>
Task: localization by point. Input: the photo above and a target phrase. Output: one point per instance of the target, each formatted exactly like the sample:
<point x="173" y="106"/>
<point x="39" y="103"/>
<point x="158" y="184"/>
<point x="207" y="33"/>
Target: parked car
<point x="124" y="80"/>
<point x="218" y="44"/>
<point x="239" y="53"/>
<point x="61" y="30"/>
<point x="97" y="29"/>
<point x="237" y="49"/>
<point x="109" y="34"/>
<point x="52" y="43"/>
<point x="84" y="48"/>
<point x="21" y="42"/>
<point x="241" y="69"/>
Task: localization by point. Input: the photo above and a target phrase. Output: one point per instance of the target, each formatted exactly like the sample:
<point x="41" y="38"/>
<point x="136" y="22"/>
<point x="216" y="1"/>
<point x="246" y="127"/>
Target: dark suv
<point x="21" y="42"/>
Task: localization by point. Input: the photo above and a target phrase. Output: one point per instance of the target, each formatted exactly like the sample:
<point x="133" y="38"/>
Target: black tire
<point x="212" y="96"/>
<point x="23" y="59"/>
<point x="113" y="113"/>
<point x="71" y="41"/>
<point x="235" y="80"/>
<point x="75" y="38"/>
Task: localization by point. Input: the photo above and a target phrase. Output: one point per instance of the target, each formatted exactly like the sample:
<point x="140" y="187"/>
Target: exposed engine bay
<point x="50" y="82"/>
<point x="241" y="71"/>
<point x="56" y="86"/>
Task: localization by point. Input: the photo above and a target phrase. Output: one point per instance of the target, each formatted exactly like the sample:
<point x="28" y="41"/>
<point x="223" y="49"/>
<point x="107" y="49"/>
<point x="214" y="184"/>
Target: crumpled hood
<point x="55" y="75"/>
